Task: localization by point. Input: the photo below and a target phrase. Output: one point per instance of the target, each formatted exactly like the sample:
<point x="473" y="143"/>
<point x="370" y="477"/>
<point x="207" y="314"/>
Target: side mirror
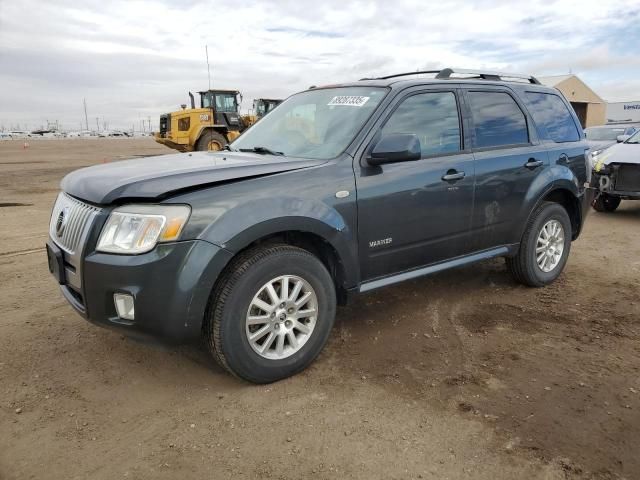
<point x="622" y="138"/>
<point x="394" y="148"/>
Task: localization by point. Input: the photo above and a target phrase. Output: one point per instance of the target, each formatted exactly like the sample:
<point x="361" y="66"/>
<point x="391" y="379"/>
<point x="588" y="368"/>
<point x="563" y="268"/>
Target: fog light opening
<point x="124" y="305"/>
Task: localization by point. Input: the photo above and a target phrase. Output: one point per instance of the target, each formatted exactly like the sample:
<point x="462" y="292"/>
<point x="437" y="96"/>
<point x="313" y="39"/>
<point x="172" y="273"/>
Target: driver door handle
<point x="452" y="176"/>
<point x="533" y="163"/>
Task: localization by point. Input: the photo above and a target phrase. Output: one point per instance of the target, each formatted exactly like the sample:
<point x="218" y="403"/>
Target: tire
<point x="606" y="203"/>
<point x="210" y="137"/>
<point x="232" y="301"/>
<point x="524" y="266"/>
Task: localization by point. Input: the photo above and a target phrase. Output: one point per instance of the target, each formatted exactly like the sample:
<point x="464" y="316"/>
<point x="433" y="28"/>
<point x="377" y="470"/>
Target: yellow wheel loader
<point x="211" y="126"/>
<point x="261" y="106"/>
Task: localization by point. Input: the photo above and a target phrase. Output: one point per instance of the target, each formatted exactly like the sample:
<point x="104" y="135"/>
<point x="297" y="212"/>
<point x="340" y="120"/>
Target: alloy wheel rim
<point x="281" y="317"/>
<point x="550" y="246"/>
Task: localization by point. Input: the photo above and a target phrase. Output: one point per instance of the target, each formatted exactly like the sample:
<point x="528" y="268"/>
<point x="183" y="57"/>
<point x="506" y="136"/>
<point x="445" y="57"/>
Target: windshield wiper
<point x="227" y="147"/>
<point x="262" y="150"/>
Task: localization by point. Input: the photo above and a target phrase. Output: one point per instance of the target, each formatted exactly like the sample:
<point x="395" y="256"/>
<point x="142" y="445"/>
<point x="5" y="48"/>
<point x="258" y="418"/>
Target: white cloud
<point x="134" y="59"/>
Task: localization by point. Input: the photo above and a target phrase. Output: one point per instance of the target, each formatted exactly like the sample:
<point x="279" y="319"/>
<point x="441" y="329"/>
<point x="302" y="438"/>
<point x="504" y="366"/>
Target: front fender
<point x="238" y="227"/>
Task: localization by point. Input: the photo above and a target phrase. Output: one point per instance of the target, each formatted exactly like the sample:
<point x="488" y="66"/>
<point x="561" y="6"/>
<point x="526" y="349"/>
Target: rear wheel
<point x="210" y="140"/>
<point x="271" y="314"/>
<point x="544" y="248"/>
<point x="606" y="203"/>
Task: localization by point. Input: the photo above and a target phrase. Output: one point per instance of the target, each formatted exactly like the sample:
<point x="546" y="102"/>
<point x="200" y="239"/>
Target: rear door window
<point x="497" y="120"/>
<point x="552" y="117"/>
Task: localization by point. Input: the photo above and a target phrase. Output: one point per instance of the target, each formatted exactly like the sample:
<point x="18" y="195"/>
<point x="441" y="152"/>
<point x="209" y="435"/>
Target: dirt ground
<point x="460" y="375"/>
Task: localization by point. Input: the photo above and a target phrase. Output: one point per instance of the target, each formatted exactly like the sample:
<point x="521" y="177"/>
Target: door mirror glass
<point x="396" y="147"/>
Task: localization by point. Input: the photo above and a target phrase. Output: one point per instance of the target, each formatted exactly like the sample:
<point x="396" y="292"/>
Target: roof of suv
<point x="443" y="76"/>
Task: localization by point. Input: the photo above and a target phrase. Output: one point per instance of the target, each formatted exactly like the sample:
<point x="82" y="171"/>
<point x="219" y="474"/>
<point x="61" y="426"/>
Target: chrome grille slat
<point x="79" y="218"/>
<point x="71" y="224"/>
<point x="74" y="226"/>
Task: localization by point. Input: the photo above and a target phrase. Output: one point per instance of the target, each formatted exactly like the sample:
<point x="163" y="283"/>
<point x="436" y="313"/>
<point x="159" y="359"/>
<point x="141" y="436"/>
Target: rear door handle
<point x="533" y="163"/>
<point x="452" y="176"/>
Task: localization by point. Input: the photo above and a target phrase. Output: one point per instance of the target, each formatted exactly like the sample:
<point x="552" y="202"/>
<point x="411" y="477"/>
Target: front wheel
<point x="210" y="140"/>
<point x="544" y="248"/>
<point x="271" y="313"/>
<point x="606" y="203"/>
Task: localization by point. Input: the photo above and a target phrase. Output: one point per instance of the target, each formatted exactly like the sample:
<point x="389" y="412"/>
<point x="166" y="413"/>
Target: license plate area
<point x="55" y="259"/>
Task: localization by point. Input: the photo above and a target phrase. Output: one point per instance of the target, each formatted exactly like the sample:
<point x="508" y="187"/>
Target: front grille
<point x="69" y="220"/>
<point x="628" y="178"/>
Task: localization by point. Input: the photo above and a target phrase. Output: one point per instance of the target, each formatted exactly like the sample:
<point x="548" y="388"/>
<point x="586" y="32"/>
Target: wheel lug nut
<point x="273" y="314"/>
<point x="290" y="310"/>
<point x="282" y="305"/>
<point x="277" y="326"/>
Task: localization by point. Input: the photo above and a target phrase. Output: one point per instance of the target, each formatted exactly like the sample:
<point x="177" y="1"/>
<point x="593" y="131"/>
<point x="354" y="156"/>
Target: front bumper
<point x="171" y="286"/>
<point x="618" y="180"/>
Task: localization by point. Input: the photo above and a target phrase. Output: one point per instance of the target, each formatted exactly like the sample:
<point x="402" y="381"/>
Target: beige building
<point x="590" y="108"/>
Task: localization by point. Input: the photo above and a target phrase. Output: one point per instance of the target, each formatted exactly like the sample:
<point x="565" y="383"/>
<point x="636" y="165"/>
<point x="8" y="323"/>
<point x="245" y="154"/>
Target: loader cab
<point x="220" y="100"/>
<point x="225" y="105"/>
<point x="262" y="106"/>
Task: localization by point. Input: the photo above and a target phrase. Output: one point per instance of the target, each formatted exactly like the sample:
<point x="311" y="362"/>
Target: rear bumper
<point x="171" y="144"/>
<point x="171" y="286"/>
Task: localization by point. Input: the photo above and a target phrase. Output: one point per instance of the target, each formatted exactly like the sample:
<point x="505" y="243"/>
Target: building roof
<point x="572" y="87"/>
<point x="553" y="80"/>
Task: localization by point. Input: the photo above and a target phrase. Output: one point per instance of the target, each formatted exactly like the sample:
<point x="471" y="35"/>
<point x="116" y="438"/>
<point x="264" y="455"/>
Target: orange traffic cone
<point x="25" y="145"/>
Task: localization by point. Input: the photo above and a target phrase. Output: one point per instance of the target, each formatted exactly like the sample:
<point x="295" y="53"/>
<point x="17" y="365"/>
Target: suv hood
<point x="152" y="178"/>
<point x="620" y="153"/>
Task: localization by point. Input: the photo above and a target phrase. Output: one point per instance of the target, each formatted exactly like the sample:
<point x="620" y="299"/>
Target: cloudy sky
<point x="136" y="59"/>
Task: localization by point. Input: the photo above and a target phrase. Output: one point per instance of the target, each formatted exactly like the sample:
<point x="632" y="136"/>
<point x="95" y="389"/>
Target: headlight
<point x="134" y="229"/>
<point x="595" y="153"/>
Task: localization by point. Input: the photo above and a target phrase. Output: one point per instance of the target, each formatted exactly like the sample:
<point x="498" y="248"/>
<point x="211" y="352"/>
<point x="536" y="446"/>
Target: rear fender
<point x="555" y="178"/>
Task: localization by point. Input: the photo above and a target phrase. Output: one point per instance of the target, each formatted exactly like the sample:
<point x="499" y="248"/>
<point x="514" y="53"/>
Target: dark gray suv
<point x="340" y="189"/>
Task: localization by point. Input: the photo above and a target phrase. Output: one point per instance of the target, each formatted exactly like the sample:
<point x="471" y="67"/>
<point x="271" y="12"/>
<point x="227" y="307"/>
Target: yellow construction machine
<point x="261" y="106"/>
<point x="211" y="126"/>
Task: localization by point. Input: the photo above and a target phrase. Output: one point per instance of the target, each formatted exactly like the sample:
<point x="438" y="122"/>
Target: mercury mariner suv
<point x="339" y="189"/>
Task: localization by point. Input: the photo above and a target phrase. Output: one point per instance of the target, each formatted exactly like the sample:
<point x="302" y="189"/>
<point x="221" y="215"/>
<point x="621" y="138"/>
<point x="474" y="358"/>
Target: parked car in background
<point x="20" y="134"/>
<point x="616" y="174"/>
<point x="340" y="190"/>
<point x="6" y="136"/>
<point x="603" y="136"/>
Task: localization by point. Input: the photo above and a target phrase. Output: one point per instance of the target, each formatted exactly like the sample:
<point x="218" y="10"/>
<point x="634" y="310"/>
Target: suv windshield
<point x="602" y="134"/>
<point x="314" y="124"/>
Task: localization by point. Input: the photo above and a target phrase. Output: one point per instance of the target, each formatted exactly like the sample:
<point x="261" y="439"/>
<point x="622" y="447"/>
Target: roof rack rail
<point x="446" y="74"/>
<point x="406" y="74"/>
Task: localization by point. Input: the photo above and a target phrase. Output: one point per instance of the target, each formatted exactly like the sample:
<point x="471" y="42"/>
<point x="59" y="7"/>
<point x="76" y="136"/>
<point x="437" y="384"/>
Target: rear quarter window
<point x="552" y="117"/>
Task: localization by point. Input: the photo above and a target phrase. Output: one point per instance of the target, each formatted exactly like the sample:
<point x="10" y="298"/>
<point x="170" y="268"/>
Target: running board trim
<point x="456" y="262"/>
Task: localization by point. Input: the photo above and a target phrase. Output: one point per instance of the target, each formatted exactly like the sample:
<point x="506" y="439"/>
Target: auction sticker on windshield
<point x="348" y="100"/>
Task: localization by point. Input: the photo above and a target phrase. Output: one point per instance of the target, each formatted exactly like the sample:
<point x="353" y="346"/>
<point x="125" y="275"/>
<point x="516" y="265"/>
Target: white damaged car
<point x="616" y="174"/>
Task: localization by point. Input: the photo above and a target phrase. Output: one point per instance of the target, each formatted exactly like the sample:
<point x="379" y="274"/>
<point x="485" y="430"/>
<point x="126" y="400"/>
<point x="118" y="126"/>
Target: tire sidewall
<point x="547" y="213"/>
<point x="242" y="359"/>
